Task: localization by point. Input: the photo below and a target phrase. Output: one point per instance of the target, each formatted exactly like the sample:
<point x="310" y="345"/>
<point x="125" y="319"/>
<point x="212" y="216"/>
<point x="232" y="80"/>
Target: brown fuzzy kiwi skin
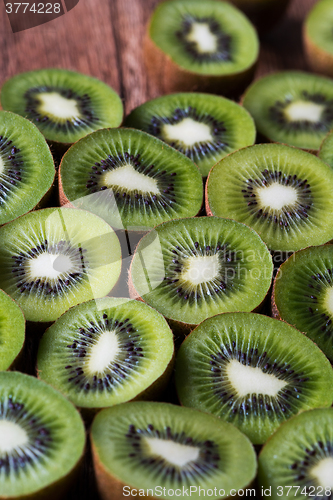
<point x="161" y="68"/>
<point x="264" y="14"/>
<point x="319" y="60"/>
<point x="111" y="488"/>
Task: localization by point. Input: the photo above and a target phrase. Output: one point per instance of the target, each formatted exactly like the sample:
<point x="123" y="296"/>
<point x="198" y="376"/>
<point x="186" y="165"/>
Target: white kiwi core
<point x="201" y="269"/>
<point x="129" y="179"/>
<point x="58" y="106"/>
<point x="188" y="132"/>
<point x="204" y="39"/>
<point x="328" y="301"/>
<point x="304" y="111"/>
<point x="277" y="196"/>
<point x="323" y="472"/>
<point x="2" y="165"/>
<point x="252" y="380"/>
<point x="103" y="352"/>
<point x="12" y="436"/>
<point x="50" y="266"/>
<point x="175" y="453"/>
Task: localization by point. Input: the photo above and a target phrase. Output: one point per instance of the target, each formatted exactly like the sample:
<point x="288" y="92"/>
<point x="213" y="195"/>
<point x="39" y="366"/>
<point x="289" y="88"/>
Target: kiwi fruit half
<point x="298" y="460"/>
<point x="64" y="105"/>
<point x="12" y="330"/>
<point x="209" y="46"/>
<point x="263" y="13"/>
<point x="292" y="107"/>
<point x="326" y="150"/>
<point x="55" y="258"/>
<point x="191" y="269"/>
<point x="106" y="351"/>
<point x="203" y="127"/>
<point x="130" y="179"/>
<point x="26" y="167"/>
<point x="285" y="194"/>
<point x="162" y="450"/>
<point x="252" y="371"/>
<point x="318" y="39"/>
<point x="42" y="439"/>
<point x="303" y="294"/>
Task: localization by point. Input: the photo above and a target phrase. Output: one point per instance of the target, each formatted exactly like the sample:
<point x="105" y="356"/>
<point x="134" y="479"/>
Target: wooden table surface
<point x="103" y="38"/>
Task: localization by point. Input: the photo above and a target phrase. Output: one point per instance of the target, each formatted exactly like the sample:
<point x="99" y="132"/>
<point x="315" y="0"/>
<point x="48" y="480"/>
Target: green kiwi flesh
<point x="292" y="107"/>
<point x="26" y="166"/>
<point x="105" y="352"/>
<point x="303" y="294"/>
<point x="130" y="179"/>
<point x="179" y="27"/>
<point x="65" y="105"/>
<point x="55" y="258"/>
<point x="150" y="445"/>
<point x="317" y="34"/>
<point x="42" y="438"/>
<point x="299" y="457"/>
<point x="252" y="371"/>
<point x="283" y="193"/>
<point x="203" y="127"/>
<point x="326" y="150"/>
<point x="12" y="330"/>
<point x="191" y="269"/>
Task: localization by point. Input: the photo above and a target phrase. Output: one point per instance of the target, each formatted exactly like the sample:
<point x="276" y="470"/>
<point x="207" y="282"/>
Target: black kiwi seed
<point x="49" y="287"/>
<point x="219" y="285"/>
<point x="12" y="167"/>
<point x="126" y="361"/>
<point x="127" y="199"/>
<point x="217" y="129"/>
<point x="40" y="437"/>
<point x="223" y="41"/>
<point x="207" y="461"/>
<point x="287" y="214"/>
<point x="325" y="124"/>
<point x="83" y="102"/>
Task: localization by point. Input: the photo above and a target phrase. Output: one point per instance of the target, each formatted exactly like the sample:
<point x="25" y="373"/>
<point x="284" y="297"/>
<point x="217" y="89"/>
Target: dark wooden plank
<point x="104" y="38"/>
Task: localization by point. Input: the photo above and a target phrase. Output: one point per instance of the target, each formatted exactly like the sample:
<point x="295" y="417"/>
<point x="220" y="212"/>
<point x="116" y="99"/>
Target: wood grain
<point x="104" y="38"/>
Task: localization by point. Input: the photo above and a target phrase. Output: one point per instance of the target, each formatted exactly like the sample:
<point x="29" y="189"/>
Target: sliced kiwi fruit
<point x="158" y="448"/>
<point x="191" y="269"/>
<point x="130" y="179"/>
<point x="107" y="351"/>
<point x="292" y="107"/>
<point x="252" y="371"/>
<point x="42" y="439"/>
<point x="285" y="194"/>
<point x="318" y="38"/>
<point x="298" y="460"/>
<point x="203" y="127"/>
<point x="326" y="150"/>
<point x="208" y="46"/>
<point x="64" y="105"/>
<point x="26" y="167"/>
<point x="55" y="258"/>
<point x="303" y="294"/>
<point x="263" y="13"/>
<point x="12" y="330"/>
